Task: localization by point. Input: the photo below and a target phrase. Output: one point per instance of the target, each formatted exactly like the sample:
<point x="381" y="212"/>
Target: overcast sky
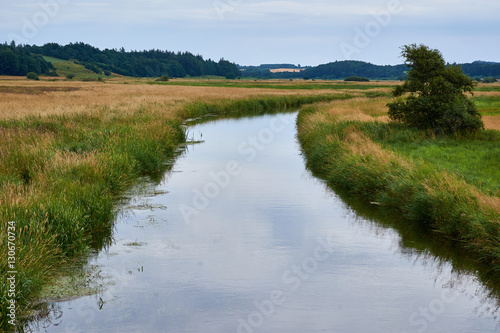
<point x="252" y="32"/>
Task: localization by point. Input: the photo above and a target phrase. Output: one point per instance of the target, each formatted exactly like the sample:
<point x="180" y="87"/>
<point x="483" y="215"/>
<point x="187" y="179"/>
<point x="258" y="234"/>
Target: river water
<point x="240" y="237"/>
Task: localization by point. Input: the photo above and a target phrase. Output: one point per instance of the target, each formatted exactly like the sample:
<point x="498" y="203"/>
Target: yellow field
<point x="21" y="98"/>
<point x="287" y="70"/>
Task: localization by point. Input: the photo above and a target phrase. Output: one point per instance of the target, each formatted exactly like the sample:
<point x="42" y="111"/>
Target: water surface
<point x="240" y="237"/>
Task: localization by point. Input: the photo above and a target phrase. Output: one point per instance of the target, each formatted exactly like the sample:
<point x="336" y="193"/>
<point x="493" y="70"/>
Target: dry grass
<point x="30" y="98"/>
<point x="287" y="70"/>
<point x="360" y="108"/>
<point x="492" y="122"/>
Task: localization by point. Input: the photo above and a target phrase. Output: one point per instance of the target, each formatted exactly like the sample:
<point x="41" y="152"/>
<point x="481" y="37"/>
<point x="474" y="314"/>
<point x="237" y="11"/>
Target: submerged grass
<point x="429" y="180"/>
<point x="61" y="174"/>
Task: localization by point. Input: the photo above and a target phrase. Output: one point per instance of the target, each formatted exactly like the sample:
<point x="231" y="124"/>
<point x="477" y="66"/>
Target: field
<point x="70" y="148"/>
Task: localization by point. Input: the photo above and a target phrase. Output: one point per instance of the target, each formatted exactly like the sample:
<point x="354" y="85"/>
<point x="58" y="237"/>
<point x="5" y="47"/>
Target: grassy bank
<point x="61" y="173"/>
<point x="449" y="185"/>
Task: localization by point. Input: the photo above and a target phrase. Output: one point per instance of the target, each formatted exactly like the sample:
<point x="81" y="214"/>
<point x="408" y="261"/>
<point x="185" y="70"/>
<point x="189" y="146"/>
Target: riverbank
<point x="448" y="185"/>
<point x="70" y="149"/>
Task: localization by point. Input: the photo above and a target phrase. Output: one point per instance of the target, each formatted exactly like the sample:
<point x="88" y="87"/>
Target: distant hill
<point x="339" y="70"/>
<point x="342" y="69"/>
<point x="151" y="63"/>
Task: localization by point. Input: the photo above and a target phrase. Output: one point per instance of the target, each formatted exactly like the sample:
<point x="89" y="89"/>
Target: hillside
<point x="148" y="63"/>
<point x="339" y="70"/>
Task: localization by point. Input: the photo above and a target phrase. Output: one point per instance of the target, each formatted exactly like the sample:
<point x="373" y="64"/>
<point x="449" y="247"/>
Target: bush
<point x="489" y="80"/>
<point x="107" y="73"/>
<point x="356" y="79"/>
<point x="32" y="76"/>
<point x="70" y="76"/>
<point x="163" y="78"/>
<point x="436" y="97"/>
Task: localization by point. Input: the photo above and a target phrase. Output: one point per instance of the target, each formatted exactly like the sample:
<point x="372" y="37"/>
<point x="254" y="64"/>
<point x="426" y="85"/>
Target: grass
<point x="277" y="84"/>
<point x="488" y="105"/>
<point x="65" y="67"/>
<point x="70" y="149"/>
<point x="447" y="185"/>
<point x="473" y="159"/>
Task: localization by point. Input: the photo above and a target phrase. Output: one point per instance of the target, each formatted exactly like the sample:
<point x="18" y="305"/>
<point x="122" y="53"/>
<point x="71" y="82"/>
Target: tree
<point x="436" y="97"/>
<point x="32" y="76"/>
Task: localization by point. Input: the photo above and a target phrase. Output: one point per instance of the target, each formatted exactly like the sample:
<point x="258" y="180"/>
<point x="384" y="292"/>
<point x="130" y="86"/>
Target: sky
<point x="254" y="32"/>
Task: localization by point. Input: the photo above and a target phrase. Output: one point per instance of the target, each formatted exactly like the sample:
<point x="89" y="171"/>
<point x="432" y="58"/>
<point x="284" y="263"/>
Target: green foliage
<point x="437" y="97"/>
<point x="357" y="79"/>
<point x="150" y="63"/>
<point x="32" y="76"/>
<point x="17" y="60"/>
<point x="70" y="76"/>
<point x="489" y="80"/>
<point x="163" y="78"/>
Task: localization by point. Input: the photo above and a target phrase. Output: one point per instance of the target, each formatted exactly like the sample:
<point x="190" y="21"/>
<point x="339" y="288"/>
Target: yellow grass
<point x="492" y="122"/>
<point x="287" y="70"/>
<point x="85" y="97"/>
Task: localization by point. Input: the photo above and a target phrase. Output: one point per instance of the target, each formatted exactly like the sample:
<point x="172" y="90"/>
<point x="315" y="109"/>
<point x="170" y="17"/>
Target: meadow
<point x="70" y="148"/>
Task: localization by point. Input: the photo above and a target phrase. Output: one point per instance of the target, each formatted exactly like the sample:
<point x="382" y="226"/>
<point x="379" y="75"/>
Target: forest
<point x="21" y="59"/>
<point x="339" y="70"/>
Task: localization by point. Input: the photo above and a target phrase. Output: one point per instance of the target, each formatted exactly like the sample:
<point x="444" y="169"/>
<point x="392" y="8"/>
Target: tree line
<point x="18" y="61"/>
<point x="147" y="63"/>
<point x="339" y="70"/>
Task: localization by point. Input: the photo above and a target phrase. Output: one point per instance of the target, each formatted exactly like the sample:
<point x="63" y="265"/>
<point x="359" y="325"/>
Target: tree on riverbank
<point x="436" y="91"/>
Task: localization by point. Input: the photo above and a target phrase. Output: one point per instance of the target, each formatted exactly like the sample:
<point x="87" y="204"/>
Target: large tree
<point x="433" y="96"/>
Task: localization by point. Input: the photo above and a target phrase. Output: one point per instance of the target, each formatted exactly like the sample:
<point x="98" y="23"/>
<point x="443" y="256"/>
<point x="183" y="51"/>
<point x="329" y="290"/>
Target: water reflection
<point x="240" y="237"/>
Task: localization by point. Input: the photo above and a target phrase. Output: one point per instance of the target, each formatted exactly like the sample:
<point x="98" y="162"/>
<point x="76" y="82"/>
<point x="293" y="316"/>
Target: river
<point x="240" y="237"/>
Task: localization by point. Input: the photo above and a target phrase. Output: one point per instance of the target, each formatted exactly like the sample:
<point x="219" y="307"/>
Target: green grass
<point x="487" y="105"/>
<point x="486" y="87"/>
<point x="65" y="67"/>
<point x="476" y="159"/>
<point x="311" y="85"/>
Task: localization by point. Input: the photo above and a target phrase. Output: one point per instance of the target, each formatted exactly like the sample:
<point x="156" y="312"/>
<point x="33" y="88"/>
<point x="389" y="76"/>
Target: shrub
<point x="436" y="97"/>
<point x="356" y="79"/>
<point x="163" y="78"/>
<point x="70" y="76"/>
<point x="32" y="76"/>
<point x="489" y="80"/>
